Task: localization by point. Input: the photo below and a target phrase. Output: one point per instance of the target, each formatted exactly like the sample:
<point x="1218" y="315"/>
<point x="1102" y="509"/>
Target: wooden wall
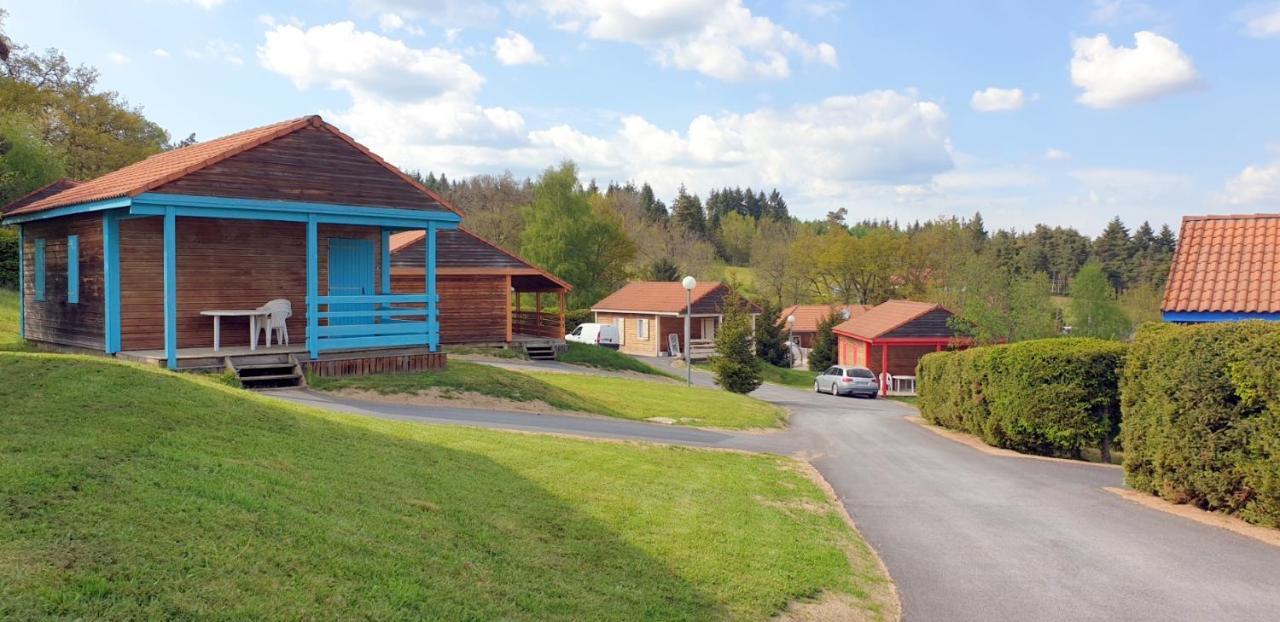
<point x="472" y="309"/>
<point x="311" y="164"/>
<point x="902" y="359"/>
<point x="631" y="341"/>
<point x="675" y="325"/>
<point x="222" y="264"/>
<point x="55" y="320"/>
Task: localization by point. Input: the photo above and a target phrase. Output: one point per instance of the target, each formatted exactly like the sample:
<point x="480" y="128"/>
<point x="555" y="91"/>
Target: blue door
<point x="351" y="273"/>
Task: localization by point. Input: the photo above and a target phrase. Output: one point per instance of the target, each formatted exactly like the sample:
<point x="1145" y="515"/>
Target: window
<point x="39" y="285"/>
<point x="832" y="371"/>
<point x="73" y="269"/>
<point x="642" y="329"/>
<point x="858" y="372"/>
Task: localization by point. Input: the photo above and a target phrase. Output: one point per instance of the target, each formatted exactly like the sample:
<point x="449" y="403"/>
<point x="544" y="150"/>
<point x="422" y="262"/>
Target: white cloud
<point x="994" y="99"/>
<point x="1261" y="22"/>
<point x="515" y="49"/>
<point x="1256" y="185"/>
<point x="717" y="38"/>
<point x="117" y="58"/>
<point x="160" y="53"/>
<point x="438" y="12"/>
<point x="1117" y="76"/>
<point x="1056" y="154"/>
<point x="391" y="22"/>
<point x="217" y="49"/>
<point x="818" y="8"/>
<point x="365" y="64"/>
<point x="1116" y="12"/>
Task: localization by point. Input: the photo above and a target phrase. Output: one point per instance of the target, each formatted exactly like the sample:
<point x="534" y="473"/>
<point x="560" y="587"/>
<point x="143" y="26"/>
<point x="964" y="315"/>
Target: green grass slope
<point x="9" y="339"/>
<point x="604" y="358"/>
<point x="132" y="493"/>
<point x="625" y="398"/>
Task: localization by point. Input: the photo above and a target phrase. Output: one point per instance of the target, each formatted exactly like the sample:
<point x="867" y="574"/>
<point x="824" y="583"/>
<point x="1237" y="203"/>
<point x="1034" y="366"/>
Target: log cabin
<point x="140" y="262"/>
<point x="807" y="318"/>
<point x="488" y="295"/>
<point x="890" y="338"/>
<point x="650" y="317"/>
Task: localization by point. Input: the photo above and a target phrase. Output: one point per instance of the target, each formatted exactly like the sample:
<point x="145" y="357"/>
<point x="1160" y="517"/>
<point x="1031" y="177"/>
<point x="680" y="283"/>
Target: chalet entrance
<point x="351" y="273"/>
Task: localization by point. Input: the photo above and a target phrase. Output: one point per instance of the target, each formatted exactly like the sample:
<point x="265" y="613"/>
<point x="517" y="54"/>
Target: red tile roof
<point x="1226" y="263"/>
<point x="884" y="318"/>
<point x="809" y="316"/>
<point x="663" y="297"/>
<point x="167" y="166"/>
<point x="40" y="193"/>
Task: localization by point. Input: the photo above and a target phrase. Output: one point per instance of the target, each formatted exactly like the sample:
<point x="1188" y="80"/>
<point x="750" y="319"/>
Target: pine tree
<point x="823" y="353"/>
<point x="654" y="210"/>
<point x="737" y="369"/>
<point x="687" y="212"/>
<point x="776" y="206"/>
<point x="1094" y="307"/>
<point x="1166" y="242"/>
<point x="771" y="341"/>
<point x="1114" y="250"/>
<point x="1144" y="240"/>
<point x="664" y="269"/>
<point x="977" y="231"/>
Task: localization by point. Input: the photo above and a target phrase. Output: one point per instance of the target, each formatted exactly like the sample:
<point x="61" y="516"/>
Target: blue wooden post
<point x="433" y="325"/>
<point x="111" y="281"/>
<point x="22" y="283"/>
<point x="171" y="286"/>
<point x="313" y="286"/>
<point x="386" y="261"/>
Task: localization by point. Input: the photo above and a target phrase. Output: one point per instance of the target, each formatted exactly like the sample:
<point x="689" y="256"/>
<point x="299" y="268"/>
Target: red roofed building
<point x="1226" y="268"/>
<point x="808" y="317"/>
<point x="650" y="314"/>
<point x="891" y="337"/>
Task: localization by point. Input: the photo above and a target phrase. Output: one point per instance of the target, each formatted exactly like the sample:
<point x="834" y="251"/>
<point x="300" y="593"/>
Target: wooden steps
<point x="540" y="351"/>
<point x="267" y="371"/>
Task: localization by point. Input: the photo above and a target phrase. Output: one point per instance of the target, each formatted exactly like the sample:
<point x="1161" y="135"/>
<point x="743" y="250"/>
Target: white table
<point x="218" y="314"/>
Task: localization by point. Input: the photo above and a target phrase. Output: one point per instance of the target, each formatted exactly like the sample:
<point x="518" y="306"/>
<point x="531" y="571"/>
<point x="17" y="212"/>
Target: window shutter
<point x="73" y="269"/>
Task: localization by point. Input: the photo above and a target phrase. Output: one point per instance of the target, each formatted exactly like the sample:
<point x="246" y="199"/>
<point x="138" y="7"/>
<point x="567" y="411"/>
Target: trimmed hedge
<point x="1045" y="396"/>
<point x="1201" y="411"/>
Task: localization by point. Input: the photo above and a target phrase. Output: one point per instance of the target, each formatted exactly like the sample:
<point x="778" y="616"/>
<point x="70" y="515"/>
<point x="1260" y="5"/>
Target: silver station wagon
<point x="842" y="380"/>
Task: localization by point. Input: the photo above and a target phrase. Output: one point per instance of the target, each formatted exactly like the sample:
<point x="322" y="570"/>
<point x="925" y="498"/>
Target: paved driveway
<point x="967" y="535"/>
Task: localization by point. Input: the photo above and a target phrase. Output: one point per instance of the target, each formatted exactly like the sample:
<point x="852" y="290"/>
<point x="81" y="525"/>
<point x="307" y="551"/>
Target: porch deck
<point x="371" y="360"/>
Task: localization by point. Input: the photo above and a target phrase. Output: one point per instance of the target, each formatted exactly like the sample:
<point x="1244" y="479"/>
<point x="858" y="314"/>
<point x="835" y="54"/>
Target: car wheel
<point x="816" y="388"/>
<point x="834" y="390"/>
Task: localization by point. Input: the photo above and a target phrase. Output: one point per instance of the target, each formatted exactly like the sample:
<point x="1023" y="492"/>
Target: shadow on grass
<point x="130" y="497"/>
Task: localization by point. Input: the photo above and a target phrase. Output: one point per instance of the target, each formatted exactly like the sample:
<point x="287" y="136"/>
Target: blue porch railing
<point x="389" y="321"/>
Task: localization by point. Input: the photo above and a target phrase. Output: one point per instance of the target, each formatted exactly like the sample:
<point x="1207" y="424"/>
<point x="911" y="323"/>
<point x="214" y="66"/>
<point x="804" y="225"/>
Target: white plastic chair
<point x="275" y="314"/>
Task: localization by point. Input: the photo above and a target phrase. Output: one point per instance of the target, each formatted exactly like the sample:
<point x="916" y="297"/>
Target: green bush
<point x="8" y="258"/>
<point x="1045" y="396"/>
<point x="1201" y="411"/>
<point x="575" y="317"/>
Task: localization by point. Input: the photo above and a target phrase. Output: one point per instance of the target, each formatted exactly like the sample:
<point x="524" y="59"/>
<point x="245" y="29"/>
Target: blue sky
<point x="1064" y="113"/>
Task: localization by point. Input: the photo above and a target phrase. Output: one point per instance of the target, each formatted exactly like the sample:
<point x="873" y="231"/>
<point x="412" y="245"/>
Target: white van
<point x="596" y="334"/>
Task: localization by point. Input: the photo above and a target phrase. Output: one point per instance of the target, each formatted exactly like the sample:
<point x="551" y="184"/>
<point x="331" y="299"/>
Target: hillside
<point x="137" y="493"/>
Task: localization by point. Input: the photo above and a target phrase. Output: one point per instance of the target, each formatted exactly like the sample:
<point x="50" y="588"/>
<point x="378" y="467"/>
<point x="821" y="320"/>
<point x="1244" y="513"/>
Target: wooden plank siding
<point x="310" y="164"/>
<point x="222" y="264"/>
<point x="55" y="320"/>
<point x="902" y="359"/>
<point x="375" y="364"/>
<point x="472" y="308"/>
<point x="631" y="341"/>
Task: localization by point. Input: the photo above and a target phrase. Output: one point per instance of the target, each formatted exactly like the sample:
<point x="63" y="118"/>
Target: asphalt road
<point x="967" y="535"/>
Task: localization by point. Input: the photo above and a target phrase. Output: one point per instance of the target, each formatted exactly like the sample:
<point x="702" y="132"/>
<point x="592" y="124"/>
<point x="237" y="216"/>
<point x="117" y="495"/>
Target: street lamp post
<point x="688" y="284"/>
<point x="791" y="338"/>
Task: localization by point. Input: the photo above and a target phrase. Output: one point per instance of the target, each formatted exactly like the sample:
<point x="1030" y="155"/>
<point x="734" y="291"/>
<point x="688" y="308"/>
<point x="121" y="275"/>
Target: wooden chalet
<point x="1226" y="269"/>
<point x="890" y="338"/>
<point x="132" y="263"/>
<point x="650" y="317"/>
<point x="805" y="328"/>
<point x="483" y="290"/>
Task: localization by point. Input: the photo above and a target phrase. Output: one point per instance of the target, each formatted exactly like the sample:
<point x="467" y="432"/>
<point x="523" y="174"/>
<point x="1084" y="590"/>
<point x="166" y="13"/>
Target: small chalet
<point x="482" y="289"/>
<point x="187" y="257"/>
<point x="650" y="317"/>
<point x="892" y="337"/>
<point x="1226" y="268"/>
<point x="808" y="317"/>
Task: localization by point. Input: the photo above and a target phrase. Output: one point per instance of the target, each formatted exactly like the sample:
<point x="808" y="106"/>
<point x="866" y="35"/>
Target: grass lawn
<point x="605" y="358"/>
<point x="697" y="406"/>
<point x="134" y="493"/>
<point x="9" y="340"/>
<point x="799" y="378"/>
<point x="489" y="351"/>
<point x="625" y="398"/>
